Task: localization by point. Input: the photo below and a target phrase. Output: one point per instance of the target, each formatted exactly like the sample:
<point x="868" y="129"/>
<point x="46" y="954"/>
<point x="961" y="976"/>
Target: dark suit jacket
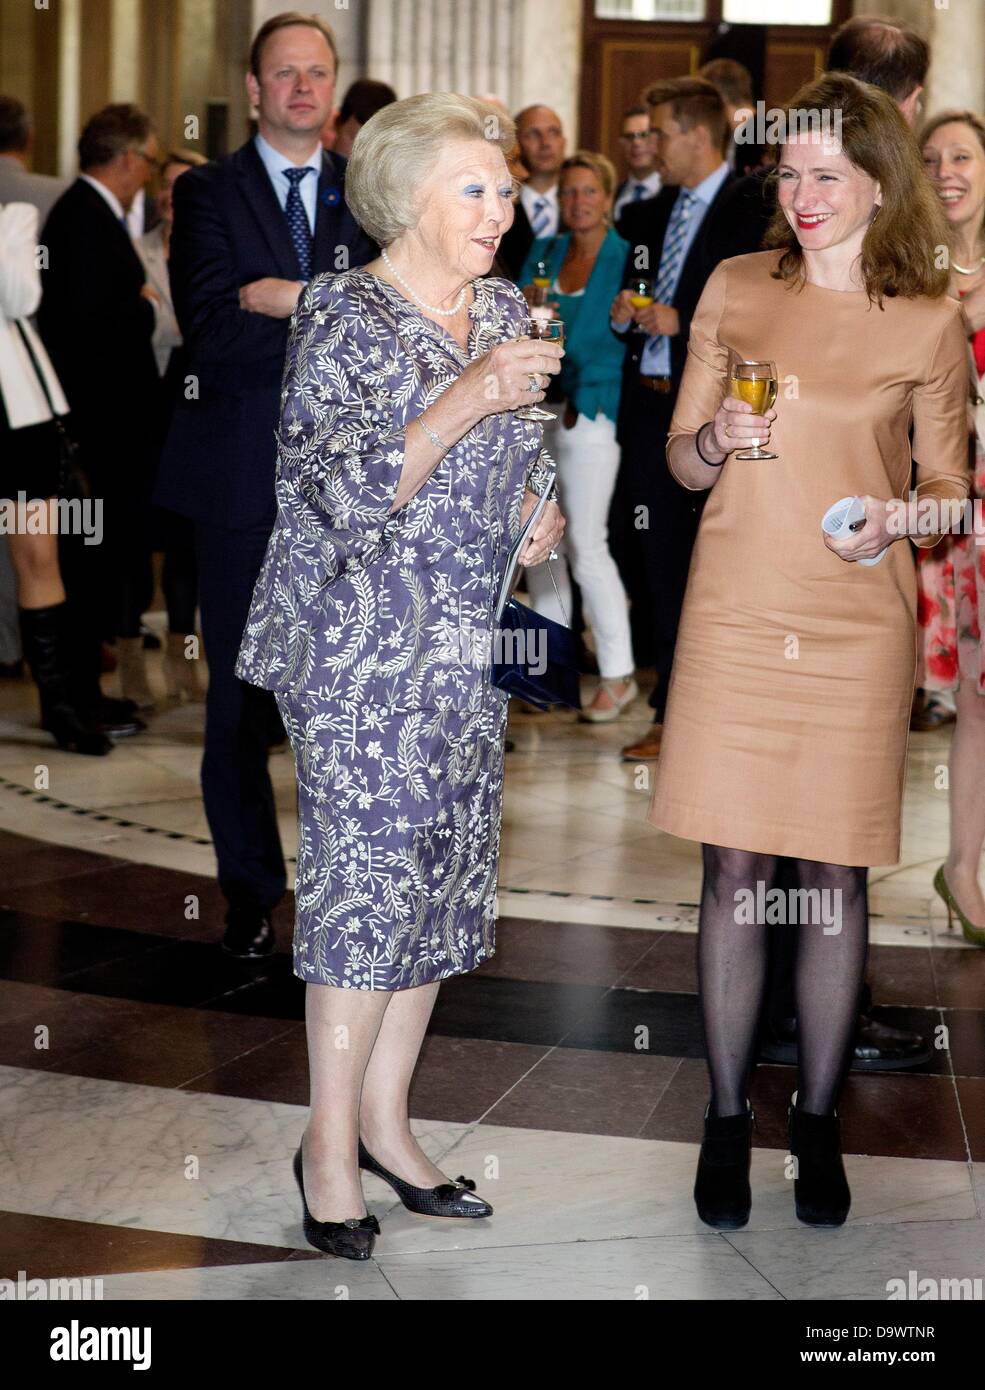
<point x="515" y="244"/>
<point x="643" y="225"/>
<point x="97" y="327"/>
<point x="229" y="229"/>
<point x="742" y="216"/>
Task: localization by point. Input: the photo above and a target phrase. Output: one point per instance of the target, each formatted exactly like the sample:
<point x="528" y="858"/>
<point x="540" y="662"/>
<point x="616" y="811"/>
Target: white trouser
<point x="587" y="459"/>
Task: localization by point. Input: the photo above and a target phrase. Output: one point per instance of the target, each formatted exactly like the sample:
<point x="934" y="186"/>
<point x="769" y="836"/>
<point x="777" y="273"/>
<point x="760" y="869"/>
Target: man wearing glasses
<point x="97" y="319"/>
<point x="639" y="150"/>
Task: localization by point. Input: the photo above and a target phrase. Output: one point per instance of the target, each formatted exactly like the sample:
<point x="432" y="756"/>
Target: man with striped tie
<point x="654" y="520"/>
<point x="642" y="177"/>
<point x="542" y="149"/>
<point x="249" y="232"/>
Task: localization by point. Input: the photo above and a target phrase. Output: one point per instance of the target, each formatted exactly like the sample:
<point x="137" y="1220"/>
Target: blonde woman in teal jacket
<point x="586" y="262"/>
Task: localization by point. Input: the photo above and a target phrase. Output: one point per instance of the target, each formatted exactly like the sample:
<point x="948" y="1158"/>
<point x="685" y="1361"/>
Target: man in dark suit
<point x="249" y="232"/>
<point x="654" y="518"/>
<point x="541" y="140"/>
<point x="97" y="319"/>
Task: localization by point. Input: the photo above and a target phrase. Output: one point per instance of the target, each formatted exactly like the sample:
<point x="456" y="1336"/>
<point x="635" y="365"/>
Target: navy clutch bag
<point x="533" y="657"/>
<point x="536" y="658"/>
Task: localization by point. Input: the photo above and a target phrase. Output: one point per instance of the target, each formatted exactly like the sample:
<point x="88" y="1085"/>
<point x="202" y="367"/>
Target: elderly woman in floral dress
<point x="404" y="475"/>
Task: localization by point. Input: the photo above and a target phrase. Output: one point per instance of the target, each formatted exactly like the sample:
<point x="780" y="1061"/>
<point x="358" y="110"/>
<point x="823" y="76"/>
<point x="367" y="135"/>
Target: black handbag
<point x="72" y="482"/>
<point x="534" y="657"/>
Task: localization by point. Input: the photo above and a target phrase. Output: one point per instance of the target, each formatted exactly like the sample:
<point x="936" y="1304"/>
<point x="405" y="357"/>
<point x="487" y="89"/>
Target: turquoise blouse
<point x="591" y="370"/>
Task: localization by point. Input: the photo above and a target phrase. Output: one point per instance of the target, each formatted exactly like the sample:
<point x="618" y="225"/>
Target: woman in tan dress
<point x="788" y="709"/>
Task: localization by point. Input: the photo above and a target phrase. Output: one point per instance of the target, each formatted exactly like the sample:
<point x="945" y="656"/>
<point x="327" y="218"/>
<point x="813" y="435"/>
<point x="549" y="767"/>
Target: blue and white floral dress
<point x="374" y="632"/>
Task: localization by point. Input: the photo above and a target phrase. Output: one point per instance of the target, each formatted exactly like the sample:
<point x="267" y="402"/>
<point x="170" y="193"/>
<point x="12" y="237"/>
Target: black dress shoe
<point x="821" y="1193"/>
<point x="248" y="935"/>
<point x="877" y="1046"/>
<point x="351" y="1240"/>
<point x="447" y="1199"/>
<point x="722" y="1193"/>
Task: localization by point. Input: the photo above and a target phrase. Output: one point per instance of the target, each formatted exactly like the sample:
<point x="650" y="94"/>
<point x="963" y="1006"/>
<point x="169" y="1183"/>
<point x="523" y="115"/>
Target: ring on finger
<point x="534" y="383"/>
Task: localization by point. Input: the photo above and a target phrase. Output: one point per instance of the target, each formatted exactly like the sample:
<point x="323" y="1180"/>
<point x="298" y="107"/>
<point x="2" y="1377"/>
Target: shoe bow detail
<point x="450" y="1189"/>
<point x="362" y="1223"/>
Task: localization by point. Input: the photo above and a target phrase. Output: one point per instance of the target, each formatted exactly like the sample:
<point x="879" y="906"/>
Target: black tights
<point x="732" y="965"/>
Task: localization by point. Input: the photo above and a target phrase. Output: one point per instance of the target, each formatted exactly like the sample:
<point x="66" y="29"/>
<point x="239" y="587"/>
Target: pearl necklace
<point x="431" y="308"/>
<point x="966" y="270"/>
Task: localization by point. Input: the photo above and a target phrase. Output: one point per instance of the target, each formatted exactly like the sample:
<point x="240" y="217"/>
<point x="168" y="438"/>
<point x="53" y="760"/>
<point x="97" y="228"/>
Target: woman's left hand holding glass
<point x="548" y="532"/>
<point x="873" y="538"/>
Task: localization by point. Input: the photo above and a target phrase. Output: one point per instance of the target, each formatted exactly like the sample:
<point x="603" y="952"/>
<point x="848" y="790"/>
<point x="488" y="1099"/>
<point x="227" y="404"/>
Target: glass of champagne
<point x="542" y="283"/>
<point x="640" y="295"/>
<point x="548" y="331"/>
<point x="755" y="383"/>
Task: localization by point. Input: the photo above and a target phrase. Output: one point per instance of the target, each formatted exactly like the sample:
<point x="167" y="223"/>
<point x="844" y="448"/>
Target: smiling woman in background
<point x="585" y="264"/>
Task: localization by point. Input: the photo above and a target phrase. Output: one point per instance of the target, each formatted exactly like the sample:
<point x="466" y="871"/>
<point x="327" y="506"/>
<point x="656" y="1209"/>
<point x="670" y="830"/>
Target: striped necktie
<point x="673" y="247"/>
<point x="297" y="220"/>
<point x="541" y="217"/>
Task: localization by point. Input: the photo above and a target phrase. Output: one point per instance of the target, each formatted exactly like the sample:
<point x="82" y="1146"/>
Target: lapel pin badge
<point x="331" y="196"/>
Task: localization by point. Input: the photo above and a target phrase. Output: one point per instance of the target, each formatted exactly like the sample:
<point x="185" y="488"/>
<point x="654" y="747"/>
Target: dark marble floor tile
<point x="960" y="977"/>
<point x="971" y="1098"/>
<point x="640" y="1021"/>
<point x="966" y="1040"/>
<point x="524" y="1011"/>
<point x="587" y="1092"/>
<point x="185" y="973"/>
<point x="276" y="1070"/>
<point x="142" y="898"/>
<point x="48" y="1247"/>
<point x="901" y="975"/>
<point x="564" y="952"/>
<point x="51" y="1025"/>
<point x="274" y="992"/>
<point x="460" y="1079"/>
<point x="43" y="952"/>
<point x="669" y="965"/>
<point x="25" y="861"/>
<point x="178" y="1049"/>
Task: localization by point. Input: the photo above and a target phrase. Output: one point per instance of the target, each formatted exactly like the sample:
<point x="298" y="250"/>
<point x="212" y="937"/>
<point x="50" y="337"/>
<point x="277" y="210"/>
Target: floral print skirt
<point x="399" y="818"/>
<point x="951" y="605"/>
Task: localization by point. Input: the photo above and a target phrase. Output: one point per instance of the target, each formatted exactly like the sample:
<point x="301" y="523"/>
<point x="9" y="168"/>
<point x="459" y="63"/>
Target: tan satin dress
<point x="789" y="703"/>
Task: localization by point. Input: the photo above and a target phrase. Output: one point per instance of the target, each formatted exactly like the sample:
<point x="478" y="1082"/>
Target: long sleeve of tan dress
<point x="788" y="709"/>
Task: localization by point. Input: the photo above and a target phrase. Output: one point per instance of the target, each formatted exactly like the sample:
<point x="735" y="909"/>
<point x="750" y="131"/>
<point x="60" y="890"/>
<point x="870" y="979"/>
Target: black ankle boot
<point x="44" y="638"/>
<point x="820" y="1189"/>
<point x="721" y="1187"/>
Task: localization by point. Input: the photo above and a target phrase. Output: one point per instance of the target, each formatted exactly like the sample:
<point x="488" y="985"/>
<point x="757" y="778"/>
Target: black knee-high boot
<point x="44" y="637"/>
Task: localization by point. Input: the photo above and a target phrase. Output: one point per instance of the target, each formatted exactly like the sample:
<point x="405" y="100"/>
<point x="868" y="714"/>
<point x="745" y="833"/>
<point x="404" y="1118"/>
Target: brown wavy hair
<point x="903" y="241"/>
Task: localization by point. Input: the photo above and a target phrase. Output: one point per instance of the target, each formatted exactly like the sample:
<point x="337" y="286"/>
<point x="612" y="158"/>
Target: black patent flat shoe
<point x="351" y="1240"/>
<point x="447" y="1199"/>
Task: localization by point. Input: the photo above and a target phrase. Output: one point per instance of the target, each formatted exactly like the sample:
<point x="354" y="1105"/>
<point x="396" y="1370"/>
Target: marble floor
<point x="153" y="1090"/>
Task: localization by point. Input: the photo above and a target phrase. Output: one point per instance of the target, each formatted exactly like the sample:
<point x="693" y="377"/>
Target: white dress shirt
<point x="275" y="164"/>
<point x="529" y="197"/>
<point x="110" y="197"/>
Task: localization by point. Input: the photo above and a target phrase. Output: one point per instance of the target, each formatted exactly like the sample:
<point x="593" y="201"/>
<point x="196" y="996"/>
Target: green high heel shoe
<point x="974" y="935"/>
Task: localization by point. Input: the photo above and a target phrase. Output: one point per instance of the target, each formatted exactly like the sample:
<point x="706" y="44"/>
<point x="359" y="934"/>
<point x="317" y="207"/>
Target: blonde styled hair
<point x="600" y="165"/>
<point x="397" y="149"/>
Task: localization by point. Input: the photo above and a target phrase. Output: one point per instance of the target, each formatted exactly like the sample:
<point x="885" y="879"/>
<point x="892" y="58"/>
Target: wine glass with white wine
<point x="755" y="383"/>
<point x="548" y="331"/>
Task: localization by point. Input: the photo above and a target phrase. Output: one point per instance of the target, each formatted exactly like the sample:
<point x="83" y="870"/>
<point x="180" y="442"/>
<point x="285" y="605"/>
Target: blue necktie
<point x="639" y="191"/>
<point x="297" y="219"/>
<point x="541" y="217"/>
<point x="673" y="247"/>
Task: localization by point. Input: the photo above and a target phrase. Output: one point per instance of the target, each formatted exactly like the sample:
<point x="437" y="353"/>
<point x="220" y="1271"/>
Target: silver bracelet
<point x="435" y="439"/>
